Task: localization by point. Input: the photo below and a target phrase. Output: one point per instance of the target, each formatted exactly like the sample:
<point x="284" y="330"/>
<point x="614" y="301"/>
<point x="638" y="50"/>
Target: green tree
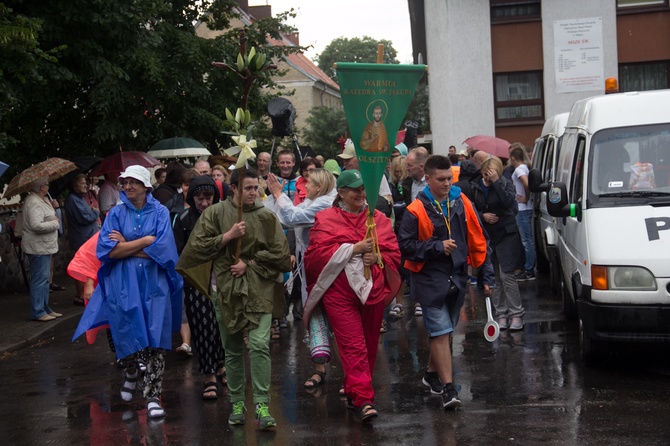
<point x="419" y="109"/>
<point x="325" y="126"/>
<point x="129" y="73"/>
<point x="20" y="54"/>
<point x="362" y="50"/>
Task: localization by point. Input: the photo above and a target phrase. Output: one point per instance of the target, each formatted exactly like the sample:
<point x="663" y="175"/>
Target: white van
<point x="545" y="155"/>
<point x="611" y="192"/>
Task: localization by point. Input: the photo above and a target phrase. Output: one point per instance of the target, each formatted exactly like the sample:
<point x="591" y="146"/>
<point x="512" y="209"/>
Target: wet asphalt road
<point x="527" y="388"/>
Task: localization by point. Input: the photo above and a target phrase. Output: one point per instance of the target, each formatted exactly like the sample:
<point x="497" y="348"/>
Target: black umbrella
<point x="84" y="165"/>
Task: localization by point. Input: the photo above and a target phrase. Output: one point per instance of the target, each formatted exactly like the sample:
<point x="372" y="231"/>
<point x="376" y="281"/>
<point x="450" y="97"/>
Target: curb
<point x="50" y="329"/>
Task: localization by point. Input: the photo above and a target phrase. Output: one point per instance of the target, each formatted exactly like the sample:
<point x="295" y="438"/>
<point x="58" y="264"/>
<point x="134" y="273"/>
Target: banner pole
<point x="371" y="211"/>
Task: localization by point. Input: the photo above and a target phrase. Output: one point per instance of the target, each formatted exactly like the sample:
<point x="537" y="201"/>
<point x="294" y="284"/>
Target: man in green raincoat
<point x="245" y="289"/>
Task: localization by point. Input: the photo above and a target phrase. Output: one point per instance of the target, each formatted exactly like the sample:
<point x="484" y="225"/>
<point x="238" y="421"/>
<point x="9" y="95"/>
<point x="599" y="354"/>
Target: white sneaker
<point x="502" y="322"/>
<point x="185" y="350"/>
<point x="517" y="323"/>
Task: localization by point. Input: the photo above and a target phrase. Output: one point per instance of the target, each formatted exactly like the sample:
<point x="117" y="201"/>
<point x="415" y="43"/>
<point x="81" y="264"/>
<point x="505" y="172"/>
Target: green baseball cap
<point x="350" y="178"/>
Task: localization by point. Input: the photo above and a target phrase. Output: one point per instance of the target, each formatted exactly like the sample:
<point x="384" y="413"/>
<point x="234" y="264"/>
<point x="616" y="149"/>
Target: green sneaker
<point x="263" y="417"/>
<point x="237" y="417"/>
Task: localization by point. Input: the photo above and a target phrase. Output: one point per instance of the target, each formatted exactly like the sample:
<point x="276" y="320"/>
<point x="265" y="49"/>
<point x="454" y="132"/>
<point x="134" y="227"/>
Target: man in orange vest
<point x="439" y="235"/>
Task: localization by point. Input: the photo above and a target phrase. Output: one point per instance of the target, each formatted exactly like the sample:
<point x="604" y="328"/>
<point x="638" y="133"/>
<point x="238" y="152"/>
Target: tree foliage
<point x="128" y="73"/>
<point x="325" y="126"/>
<point x="362" y="50"/>
<point x="419" y="109"/>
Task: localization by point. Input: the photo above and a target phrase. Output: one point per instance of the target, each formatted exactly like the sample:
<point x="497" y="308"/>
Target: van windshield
<point x="630" y="166"/>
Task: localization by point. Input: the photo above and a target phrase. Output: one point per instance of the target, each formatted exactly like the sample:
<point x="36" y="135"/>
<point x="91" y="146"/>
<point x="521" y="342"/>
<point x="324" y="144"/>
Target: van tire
<point x="569" y="307"/>
<point x="589" y="348"/>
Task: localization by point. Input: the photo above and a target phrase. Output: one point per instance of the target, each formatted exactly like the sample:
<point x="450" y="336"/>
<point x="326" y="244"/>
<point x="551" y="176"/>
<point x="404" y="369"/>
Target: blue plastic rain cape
<point x="139" y="298"/>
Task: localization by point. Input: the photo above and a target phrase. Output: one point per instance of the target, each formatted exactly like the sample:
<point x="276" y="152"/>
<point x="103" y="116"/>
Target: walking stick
<point x="240" y="178"/>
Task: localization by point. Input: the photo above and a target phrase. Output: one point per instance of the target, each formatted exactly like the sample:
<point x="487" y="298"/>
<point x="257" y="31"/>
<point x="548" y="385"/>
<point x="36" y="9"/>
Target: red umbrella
<point x="121" y="160"/>
<point x="489" y="144"/>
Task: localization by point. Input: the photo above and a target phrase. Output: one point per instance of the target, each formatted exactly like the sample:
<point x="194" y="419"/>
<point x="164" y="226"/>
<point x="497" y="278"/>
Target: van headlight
<point x="631" y="278"/>
<point x="626" y="278"/>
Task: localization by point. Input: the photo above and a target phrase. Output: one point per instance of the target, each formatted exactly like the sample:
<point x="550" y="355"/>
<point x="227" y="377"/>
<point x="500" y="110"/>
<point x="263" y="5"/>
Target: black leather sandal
<point x="209" y="387"/>
<point x="368" y="412"/>
<point x="312" y="382"/>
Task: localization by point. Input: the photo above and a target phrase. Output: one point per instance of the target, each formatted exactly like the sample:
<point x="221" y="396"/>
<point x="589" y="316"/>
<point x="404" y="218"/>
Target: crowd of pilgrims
<point x="175" y="253"/>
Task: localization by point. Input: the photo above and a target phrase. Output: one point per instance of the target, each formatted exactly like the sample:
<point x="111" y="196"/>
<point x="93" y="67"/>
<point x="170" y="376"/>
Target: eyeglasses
<point x="130" y="182"/>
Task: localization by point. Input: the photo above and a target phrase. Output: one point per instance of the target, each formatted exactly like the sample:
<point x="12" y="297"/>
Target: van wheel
<point x="589" y="348"/>
<point x="569" y="307"/>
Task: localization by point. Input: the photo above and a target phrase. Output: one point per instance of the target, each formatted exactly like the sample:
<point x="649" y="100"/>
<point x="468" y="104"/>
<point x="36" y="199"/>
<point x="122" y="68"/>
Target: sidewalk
<point x="18" y="331"/>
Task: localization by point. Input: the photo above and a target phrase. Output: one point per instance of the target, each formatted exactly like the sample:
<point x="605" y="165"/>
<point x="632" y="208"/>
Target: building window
<point x="518" y="96"/>
<point x="514" y="10"/>
<point x="623" y="4"/>
<point x="644" y="76"/>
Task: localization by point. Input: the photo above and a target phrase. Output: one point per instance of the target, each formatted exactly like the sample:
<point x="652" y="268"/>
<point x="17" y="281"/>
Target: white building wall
<point x="555" y="103"/>
<point x="458" y="35"/>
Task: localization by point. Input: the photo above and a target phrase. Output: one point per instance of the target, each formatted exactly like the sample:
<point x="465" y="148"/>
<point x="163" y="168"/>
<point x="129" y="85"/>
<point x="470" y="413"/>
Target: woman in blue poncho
<point x="139" y="290"/>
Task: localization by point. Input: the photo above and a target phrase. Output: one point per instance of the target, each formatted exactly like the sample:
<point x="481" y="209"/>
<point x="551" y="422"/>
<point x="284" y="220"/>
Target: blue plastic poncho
<point x="139" y="298"/>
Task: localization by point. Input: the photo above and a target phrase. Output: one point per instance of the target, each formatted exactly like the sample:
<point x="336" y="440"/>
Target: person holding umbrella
<point x="40" y="243"/>
<point x="83" y="222"/>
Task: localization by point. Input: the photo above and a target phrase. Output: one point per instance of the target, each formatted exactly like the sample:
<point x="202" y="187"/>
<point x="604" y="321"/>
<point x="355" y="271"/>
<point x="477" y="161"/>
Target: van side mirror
<point x="535" y="181"/>
<point x="557" y="201"/>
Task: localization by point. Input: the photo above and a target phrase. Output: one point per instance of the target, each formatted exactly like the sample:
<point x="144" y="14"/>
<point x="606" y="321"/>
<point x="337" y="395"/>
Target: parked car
<point x="545" y="154"/>
<point x="611" y="196"/>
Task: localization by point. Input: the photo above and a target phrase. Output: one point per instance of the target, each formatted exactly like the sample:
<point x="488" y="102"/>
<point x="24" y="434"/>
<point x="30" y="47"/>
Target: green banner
<point x="375" y="99"/>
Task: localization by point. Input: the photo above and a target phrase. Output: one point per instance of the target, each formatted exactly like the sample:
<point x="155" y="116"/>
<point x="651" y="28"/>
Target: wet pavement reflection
<point x="526" y="388"/>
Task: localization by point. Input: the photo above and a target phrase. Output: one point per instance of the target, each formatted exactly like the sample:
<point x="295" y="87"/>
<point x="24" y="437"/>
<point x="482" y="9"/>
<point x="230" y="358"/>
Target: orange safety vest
<point x="475" y="235"/>
<point x="456" y="170"/>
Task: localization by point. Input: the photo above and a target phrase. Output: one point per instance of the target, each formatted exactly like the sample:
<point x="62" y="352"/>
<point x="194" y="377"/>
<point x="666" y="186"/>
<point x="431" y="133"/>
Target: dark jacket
<point x="170" y="187"/>
<point x="397" y="192"/>
<point x="407" y="190"/>
<point x="468" y="173"/>
<point x="406" y="197"/>
<point x="504" y="235"/>
<point x="430" y="286"/>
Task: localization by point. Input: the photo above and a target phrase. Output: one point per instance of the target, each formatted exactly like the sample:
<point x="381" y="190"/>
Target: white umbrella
<point x="179" y="153"/>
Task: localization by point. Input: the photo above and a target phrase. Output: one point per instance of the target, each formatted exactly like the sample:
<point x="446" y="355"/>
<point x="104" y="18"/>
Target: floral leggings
<point x="151" y="364"/>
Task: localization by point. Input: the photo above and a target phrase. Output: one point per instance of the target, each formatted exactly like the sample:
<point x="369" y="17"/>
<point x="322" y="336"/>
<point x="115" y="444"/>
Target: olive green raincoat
<point x="243" y="299"/>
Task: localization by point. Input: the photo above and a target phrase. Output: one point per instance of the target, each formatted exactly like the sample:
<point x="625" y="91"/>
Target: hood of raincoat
<point x="202" y="182"/>
<point x="468" y="170"/>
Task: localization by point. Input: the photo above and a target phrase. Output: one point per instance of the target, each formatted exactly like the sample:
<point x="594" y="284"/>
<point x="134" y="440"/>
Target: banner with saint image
<point x="375" y="99"/>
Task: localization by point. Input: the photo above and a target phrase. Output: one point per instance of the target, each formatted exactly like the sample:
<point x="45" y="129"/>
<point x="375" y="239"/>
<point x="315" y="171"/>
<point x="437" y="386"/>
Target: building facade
<point x="502" y="67"/>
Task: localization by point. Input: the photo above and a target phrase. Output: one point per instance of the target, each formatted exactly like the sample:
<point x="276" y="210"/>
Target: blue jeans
<point x="523" y="221"/>
<point x="40" y="266"/>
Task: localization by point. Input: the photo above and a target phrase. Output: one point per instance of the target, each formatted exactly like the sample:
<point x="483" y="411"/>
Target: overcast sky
<point x="320" y="22"/>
